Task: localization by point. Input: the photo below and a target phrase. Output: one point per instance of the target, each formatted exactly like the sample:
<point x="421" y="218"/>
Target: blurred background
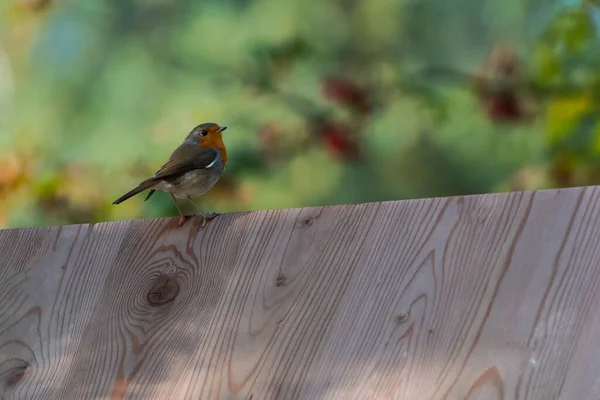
<point x="327" y="102"/>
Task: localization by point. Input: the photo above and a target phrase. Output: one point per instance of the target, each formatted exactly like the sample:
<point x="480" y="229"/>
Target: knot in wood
<point x="280" y="281"/>
<point x="14" y="375"/>
<point x="164" y="291"/>
<point x="401" y="318"/>
<point x="308" y="221"/>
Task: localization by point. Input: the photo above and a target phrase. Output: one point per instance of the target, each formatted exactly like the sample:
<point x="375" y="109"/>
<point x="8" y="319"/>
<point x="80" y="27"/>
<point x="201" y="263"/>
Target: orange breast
<point x="215" y="141"/>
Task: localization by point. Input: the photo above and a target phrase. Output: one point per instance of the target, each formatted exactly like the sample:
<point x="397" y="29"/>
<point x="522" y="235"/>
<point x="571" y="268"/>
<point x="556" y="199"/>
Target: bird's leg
<point x="182" y="215"/>
<point x="205" y="216"/>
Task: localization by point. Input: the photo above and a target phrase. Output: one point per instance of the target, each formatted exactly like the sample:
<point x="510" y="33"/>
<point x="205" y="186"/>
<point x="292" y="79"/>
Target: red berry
<point x="338" y="142"/>
<point x="345" y="92"/>
<point x="503" y="109"/>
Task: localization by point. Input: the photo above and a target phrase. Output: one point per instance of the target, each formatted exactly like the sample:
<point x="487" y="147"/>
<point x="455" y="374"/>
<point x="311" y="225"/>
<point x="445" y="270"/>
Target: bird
<point x="192" y="170"/>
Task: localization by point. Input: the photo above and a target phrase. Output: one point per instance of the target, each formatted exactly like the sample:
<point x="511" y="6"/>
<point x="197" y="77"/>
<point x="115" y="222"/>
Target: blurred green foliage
<point x="94" y="96"/>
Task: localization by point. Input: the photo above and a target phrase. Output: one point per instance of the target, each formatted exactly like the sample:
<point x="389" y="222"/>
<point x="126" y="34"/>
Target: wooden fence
<point x="478" y="297"/>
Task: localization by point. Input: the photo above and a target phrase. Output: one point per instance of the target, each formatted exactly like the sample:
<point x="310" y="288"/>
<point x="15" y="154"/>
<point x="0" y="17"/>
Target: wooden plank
<point x="479" y="297"/>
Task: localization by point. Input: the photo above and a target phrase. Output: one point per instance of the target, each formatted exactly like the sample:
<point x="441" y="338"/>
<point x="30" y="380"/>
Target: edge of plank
<point x="482" y="195"/>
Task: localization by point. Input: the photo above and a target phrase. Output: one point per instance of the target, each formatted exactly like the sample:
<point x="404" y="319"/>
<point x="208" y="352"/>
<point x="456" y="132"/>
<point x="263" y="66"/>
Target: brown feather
<point x="185" y="158"/>
<point x="147" y="184"/>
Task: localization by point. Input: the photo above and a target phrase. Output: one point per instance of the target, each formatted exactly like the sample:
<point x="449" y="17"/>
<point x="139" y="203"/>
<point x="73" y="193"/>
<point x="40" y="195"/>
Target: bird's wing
<point x="185" y="158"/>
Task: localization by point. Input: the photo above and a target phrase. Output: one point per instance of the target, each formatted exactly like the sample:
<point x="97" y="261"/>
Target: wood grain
<point x="479" y="297"/>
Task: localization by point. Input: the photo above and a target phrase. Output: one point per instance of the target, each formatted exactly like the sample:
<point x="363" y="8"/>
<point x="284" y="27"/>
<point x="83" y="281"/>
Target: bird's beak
<point x="221" y="129"/>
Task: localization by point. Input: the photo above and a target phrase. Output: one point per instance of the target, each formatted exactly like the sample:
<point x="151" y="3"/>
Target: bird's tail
<point x="150" y="193"/>
<point x="140" y="188"/>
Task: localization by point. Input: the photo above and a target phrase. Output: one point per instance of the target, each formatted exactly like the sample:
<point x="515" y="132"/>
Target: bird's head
<point x="207" y="135"/>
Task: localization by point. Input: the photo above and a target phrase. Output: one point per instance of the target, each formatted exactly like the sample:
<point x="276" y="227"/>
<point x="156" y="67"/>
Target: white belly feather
<point x="193" y="183"/>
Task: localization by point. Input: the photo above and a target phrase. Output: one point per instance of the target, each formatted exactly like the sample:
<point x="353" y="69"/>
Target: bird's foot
<point x="211" y="215"/>
<point x="206" y="217"/>
<point x="183" y="218"/>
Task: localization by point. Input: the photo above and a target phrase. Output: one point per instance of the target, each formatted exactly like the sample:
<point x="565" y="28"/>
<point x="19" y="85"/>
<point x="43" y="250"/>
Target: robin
<point x="193" y="168"/>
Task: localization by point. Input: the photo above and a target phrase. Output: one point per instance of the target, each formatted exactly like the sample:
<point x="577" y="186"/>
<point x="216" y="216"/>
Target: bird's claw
<point x="206" y="217"/>
<point x="182" y="219"/>
<point x="211" y="215"/>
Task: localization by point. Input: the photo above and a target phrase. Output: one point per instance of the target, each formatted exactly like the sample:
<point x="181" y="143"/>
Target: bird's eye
<point x="203" y="132"/>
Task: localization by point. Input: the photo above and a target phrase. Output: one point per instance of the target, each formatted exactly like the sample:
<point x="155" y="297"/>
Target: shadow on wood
<point x="479" y="297"/>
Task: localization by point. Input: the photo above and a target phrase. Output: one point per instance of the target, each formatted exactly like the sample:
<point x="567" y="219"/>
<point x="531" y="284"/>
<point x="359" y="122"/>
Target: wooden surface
<point x="483" y="297"/>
